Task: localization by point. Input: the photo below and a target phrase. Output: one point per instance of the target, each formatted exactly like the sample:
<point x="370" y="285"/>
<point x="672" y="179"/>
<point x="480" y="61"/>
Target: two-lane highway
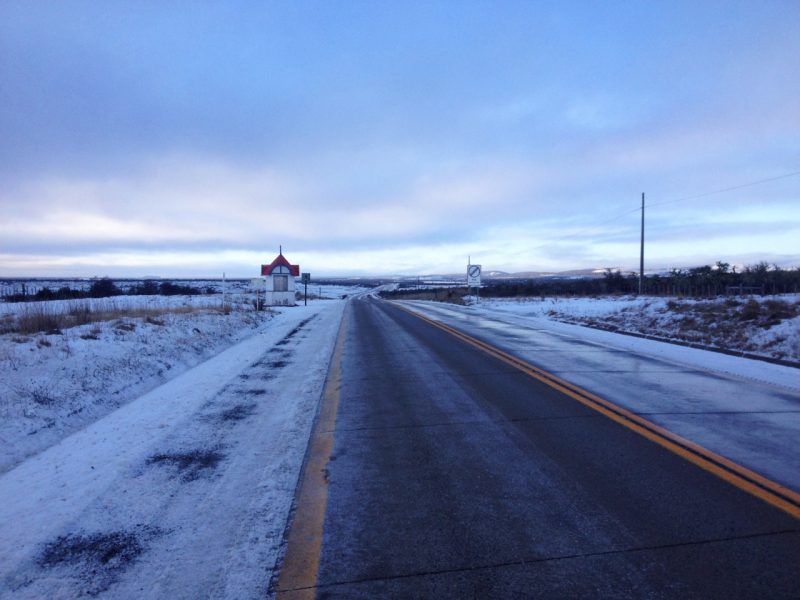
<point x="439" y="471"/>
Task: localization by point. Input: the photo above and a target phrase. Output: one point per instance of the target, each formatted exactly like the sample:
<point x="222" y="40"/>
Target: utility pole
<point x="641" y="254"/>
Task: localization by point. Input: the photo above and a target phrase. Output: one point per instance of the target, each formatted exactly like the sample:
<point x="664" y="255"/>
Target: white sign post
<point x="257" y="283"/>
<point x="474" y="278"/>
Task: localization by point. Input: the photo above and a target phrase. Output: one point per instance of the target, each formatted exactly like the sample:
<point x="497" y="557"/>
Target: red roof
<point x="278" y="262"/>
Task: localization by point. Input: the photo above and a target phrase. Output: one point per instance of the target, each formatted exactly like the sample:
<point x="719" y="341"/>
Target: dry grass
<point x="731" y="324"/>
<point x="40" y="318"/>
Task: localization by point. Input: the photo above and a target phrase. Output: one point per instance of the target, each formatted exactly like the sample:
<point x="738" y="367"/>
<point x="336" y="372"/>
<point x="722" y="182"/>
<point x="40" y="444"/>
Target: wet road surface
<point x="741" y="416"/>
<point x="453" y="475"/>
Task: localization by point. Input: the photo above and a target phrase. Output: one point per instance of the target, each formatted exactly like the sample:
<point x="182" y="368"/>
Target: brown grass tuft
<point x="39" y="318"/>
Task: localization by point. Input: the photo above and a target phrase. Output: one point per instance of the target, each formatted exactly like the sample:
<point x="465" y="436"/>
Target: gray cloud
<point x="387" y="134"/>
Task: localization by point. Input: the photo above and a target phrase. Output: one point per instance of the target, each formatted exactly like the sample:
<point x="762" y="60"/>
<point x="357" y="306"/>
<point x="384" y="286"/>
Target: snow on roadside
<point x="181" y="493"/>
<point x="472" y="317"/>
<point x="770" y="330"/>
<point x="53" y="385"/>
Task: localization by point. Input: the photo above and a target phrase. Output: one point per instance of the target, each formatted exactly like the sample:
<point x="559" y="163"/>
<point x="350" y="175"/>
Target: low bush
<point x="38" y="318"/>
<point x="780" y="309"/>
<point x="80" y="313"/>
<point x="104" y="288"/>
<point x="750" y="310"/>
<point x="168" y="288"/>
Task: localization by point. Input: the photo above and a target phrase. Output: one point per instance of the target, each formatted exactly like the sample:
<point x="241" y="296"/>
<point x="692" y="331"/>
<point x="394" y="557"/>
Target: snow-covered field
<point x="155" y="452"/>
<point x="54" y="384"/>
<point x="768" y="325"/>
<point x="140" y="461"/>
<point x="206" y="286"/>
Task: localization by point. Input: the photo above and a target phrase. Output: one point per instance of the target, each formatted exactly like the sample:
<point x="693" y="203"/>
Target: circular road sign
<point x="474" y="270"/>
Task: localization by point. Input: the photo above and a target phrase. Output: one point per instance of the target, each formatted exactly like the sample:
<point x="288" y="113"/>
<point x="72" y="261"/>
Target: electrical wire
<point x="723" y="190"/>
<point x="683" y="199"/>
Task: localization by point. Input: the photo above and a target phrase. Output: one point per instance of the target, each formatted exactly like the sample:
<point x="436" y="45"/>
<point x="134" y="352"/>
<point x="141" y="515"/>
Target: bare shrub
<point x="750" y="310"/>
<point x="42" y="395"/>
<point x="8" y="354"/>
<point x="780" y="309"/>
<point x="37" y="318"/>
<point x="7" y="324"/>
<point x="677" y="306"/>
<point x="81" y="313"/>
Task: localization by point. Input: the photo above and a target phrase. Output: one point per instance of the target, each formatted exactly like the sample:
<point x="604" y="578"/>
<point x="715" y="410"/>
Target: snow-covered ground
<point x="156" y="455"/>
<point x="744" y="409"/>
<point x="214" y="287"/>
<point x="54" y="384"/>
<point x="772" y="329"/>
<point x="182" y="492"/>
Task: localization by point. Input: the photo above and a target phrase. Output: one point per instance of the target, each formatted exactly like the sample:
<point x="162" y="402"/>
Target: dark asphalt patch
<point x="295" y="331"/>
<point x="256" y="392"/>
<point x="237" y="413"/>
<point x="277" y="354"/>
<point x="281" y="351"/>
<point x="191" y="465"/>
<point x="96" y="560"/>
<point x="278" y="359"/>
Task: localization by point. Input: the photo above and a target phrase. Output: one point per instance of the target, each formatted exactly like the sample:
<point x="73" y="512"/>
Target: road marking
<point x="735" y="474"/>
<point x="300" y="569"/>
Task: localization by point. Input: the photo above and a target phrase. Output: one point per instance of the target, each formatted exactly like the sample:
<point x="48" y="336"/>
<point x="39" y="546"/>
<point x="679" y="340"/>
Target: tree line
<point x="106" y="288"/>
<point x="705" y="281"/>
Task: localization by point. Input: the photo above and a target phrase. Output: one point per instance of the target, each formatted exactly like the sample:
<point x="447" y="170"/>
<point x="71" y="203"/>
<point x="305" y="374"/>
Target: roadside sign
<point x="257" y="282"/>
<point x="305" y="278"/>
<point x="474" y="275"/>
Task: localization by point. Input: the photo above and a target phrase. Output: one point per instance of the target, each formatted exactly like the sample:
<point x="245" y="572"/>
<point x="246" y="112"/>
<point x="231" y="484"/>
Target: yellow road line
<point x="300" y="569"/>
<point x="735" y="474"/>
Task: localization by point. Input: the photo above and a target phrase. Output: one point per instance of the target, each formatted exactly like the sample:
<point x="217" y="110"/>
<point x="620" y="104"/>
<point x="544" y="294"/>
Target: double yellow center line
<point x="300" y="569"/>
<point x="735" y="474"/>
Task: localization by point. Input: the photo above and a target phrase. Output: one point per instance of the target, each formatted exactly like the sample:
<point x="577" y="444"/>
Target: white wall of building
<point x="279" y="298"/>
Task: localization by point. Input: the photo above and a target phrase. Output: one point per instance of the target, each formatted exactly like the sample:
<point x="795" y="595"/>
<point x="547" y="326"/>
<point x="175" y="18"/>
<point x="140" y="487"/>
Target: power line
<point x="683" y="199"/>
<point x="727" y="189"/>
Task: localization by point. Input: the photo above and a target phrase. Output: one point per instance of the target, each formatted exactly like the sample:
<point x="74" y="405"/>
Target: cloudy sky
<point x="189" y="138"/>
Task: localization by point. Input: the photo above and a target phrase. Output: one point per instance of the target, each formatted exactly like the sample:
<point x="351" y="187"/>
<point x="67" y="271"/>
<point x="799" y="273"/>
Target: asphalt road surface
<point x="451" y="474"/>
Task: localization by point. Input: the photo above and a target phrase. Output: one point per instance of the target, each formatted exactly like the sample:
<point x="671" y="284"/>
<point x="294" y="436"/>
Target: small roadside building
<point x="279" y="281"/>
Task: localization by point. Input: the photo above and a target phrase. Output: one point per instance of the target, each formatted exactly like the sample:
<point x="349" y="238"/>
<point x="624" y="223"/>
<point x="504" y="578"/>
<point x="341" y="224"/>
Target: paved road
<point x="732" y="406"/>
<point x="453" y="475"/>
